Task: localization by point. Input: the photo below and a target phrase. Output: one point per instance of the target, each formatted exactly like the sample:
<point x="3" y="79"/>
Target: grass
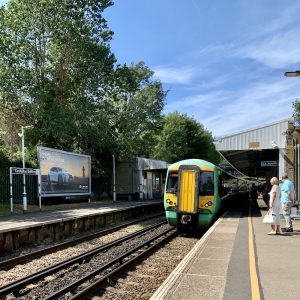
<point x="4" y="208"/>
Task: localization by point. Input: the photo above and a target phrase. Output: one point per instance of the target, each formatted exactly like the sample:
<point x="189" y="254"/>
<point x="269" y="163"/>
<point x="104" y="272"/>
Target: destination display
<point x="64" y="173"/>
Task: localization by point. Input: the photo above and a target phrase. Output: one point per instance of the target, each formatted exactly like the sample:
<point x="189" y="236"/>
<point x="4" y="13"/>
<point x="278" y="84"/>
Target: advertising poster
<point x="64" y="173"/>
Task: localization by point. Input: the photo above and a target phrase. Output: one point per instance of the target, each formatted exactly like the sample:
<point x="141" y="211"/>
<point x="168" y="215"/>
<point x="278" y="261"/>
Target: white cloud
<point x="197" y="102"/>
<point x="273" y="44"/>
<point x="229" y="93"/>
<point x="276" y="51"/>
<point x="259" y="104"/>
<point x="287" y="17"/>
<point x="175" y="75"/>
<point x="226" y="112"/>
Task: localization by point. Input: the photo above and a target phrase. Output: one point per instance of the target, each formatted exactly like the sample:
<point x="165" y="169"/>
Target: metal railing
<point x="98" y="191"/>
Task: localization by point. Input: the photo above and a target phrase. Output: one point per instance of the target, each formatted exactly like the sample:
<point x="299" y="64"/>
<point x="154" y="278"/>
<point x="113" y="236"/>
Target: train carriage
<point x="191" y="197"/>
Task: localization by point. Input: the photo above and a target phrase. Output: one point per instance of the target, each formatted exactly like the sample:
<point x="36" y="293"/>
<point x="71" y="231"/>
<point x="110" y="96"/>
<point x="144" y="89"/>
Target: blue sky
<point x="222" y="61"/>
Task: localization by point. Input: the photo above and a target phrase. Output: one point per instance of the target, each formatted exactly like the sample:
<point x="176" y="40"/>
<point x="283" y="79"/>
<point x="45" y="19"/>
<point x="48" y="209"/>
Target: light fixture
<point x="292" y="74"/>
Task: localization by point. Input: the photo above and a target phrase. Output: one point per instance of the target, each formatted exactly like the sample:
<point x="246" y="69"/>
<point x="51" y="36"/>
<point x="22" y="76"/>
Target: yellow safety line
<point x="252" y="265"/>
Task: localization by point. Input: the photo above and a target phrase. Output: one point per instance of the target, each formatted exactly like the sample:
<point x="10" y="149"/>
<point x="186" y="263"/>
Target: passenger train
<point x="193" y="193"/>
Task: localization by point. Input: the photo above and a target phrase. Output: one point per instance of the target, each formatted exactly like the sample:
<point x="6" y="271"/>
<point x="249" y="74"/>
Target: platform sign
<point x="25" y="171"/>
<point x="269" y="163"/>
<point x="64" y="173"/>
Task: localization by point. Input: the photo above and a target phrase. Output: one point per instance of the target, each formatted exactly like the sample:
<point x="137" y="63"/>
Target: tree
<point x="55" y="62"/>
<point x="183" y="137"/>
<point x="58" y="73"/>
<point x="296" y="114"/>
<point x="136" y="113"/>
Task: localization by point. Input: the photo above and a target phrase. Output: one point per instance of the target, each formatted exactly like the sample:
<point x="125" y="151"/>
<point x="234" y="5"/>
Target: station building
<point x="140" y="178"/>
<point x="265" y="151"/>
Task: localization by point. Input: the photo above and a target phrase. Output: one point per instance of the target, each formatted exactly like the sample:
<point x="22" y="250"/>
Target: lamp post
<point x="114" y="179"/>
<point x="23" y="161"/>
<point x="296" y="74"/>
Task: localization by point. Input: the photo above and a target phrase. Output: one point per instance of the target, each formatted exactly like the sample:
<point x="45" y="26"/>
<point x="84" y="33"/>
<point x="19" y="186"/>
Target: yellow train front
<point x="191" y="197"/>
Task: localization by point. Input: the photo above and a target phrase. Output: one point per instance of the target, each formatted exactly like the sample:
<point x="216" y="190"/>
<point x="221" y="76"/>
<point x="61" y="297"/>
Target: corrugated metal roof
<point x="150" y="164"/>
<point x="269" y="136"/>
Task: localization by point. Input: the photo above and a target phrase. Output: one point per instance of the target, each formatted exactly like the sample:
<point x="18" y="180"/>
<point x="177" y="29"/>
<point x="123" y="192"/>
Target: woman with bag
<point x="275" y="206"/>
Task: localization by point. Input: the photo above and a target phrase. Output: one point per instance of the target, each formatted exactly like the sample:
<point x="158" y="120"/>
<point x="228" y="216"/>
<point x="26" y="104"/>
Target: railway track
<point x="30" y="256"/>
<point x="82" y="275"/>
<point x="141" y="280"/>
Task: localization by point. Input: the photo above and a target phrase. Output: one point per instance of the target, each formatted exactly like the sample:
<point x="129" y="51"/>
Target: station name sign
<point x="254" y="144"/>
<point x="269" y="163"/>
<point x="25" y="171"/>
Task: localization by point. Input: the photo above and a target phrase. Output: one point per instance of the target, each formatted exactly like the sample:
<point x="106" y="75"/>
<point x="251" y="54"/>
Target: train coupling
<point x="185" y="219"/>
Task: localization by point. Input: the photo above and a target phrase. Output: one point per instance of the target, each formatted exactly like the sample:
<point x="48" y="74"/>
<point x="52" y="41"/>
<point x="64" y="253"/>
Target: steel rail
<point x="18" y="284"/>
<point x="27" y="257"/>
<point x="84" y="293"/>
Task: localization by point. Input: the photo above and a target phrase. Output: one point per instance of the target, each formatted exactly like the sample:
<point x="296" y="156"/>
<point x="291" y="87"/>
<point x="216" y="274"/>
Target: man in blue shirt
<point x="287" y="200"/>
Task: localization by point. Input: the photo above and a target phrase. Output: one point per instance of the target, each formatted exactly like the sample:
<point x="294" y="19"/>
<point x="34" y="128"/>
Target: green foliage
<point x="136" y="113"/>
<point x="183" y="138"/>
<point x="296" y="114"/>
<point x="54" y="64"/>
<point x="57" y="73"/>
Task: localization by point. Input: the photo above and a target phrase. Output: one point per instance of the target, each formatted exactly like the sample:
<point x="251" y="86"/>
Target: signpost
<point x="24" y="172"/>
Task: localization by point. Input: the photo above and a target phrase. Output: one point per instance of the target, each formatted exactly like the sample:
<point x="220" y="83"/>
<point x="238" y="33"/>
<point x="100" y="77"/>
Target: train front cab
<point x="191" y="196"/>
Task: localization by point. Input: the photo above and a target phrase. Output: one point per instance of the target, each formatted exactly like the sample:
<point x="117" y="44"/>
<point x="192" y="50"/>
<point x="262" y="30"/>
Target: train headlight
<point x="170" y="202"/>
<point x="209" y="203"/>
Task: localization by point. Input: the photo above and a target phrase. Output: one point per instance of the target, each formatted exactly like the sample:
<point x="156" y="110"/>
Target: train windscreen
<point x="172" y="183"/>
<point x="206" y="187"/>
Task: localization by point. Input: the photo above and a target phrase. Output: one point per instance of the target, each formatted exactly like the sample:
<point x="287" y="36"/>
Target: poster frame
<point x="88" y="193"/>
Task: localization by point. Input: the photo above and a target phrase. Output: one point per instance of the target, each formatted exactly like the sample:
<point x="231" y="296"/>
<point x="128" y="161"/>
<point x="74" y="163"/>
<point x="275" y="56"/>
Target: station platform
<point x="62" y="222"/>
<point x="236" y="259"/>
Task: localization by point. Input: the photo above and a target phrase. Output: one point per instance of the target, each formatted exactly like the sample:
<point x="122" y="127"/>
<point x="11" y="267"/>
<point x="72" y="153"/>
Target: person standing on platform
<point x="274" y="205"/>
<point x="253" y="193"/>
<point x="287" y="200"/>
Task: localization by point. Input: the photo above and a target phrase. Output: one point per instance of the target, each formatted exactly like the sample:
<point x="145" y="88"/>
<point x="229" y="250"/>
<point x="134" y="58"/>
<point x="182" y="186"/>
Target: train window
<point x="172" y="183"/>
<point x="206" y="183"/>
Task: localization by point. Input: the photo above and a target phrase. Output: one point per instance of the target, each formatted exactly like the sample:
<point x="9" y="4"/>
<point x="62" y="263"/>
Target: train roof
<point x="196" y="162"/>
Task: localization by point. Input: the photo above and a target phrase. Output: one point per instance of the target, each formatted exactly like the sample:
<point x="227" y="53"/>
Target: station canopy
<point x="249" y="162"/>
<point x="253" y="151"/>
<point x="151" y="164"/>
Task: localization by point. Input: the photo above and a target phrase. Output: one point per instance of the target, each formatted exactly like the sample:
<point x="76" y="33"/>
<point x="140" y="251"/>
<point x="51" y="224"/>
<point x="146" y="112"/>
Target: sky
<point x="222" y="62"/>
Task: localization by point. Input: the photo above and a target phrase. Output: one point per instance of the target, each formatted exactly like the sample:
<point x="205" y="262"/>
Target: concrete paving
<point x="27" y="220"/>
<point x="50" y="226"/>
<point x="278" y="260"/>
<point x="202" y="273"/>
<point x="218" y="266"/>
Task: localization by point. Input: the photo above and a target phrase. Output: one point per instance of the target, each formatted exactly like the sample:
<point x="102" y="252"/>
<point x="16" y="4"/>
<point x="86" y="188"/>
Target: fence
<point x="17" y="183"/>
<point x="99" y="189"/>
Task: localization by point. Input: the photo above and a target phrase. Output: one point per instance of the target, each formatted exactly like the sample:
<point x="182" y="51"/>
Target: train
<point x="193" y="194"/>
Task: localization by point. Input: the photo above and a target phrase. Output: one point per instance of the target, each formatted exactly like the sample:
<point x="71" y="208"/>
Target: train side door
<point x="188" y="189"/>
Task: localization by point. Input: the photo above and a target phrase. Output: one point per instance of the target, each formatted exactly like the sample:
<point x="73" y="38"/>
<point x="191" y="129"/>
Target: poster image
<point x="64" y="173"/>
